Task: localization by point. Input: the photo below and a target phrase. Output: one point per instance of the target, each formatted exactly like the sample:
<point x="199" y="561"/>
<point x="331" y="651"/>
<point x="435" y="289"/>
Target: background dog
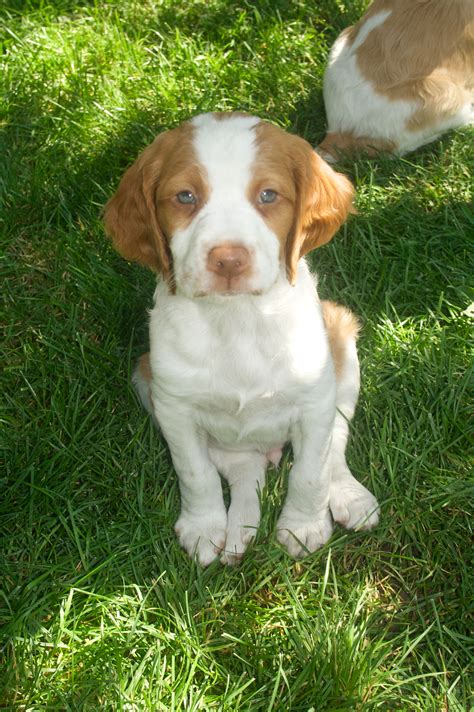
<point x="400" y="77"/>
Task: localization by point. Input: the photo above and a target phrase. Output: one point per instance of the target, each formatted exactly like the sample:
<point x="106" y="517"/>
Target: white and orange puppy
<point x="400" y="77"/>
<point x="243" y="356"/>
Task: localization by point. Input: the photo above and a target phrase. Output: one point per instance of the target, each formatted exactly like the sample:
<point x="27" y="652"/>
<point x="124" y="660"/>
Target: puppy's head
<point x="224" y="203"/>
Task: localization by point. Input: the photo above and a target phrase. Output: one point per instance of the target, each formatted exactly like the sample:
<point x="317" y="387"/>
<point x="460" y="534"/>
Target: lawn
<point x="99" y="607"/>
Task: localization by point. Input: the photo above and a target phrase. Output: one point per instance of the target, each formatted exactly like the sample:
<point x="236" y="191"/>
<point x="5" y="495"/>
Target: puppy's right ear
<point x="130" y="216"/>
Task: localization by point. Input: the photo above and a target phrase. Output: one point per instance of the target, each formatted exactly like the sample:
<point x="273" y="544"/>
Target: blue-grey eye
<point x="268" y="196"/>
<point x="186" y="197"/>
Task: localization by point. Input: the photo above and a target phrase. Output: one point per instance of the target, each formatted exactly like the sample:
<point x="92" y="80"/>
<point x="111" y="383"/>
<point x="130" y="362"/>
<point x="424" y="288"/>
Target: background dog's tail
<point x="141" y="379"/>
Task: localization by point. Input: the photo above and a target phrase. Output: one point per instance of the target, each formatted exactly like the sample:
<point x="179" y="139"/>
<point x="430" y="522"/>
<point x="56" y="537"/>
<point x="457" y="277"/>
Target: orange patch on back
<point x="423" y="51"/>
<point x="341" y="327"/>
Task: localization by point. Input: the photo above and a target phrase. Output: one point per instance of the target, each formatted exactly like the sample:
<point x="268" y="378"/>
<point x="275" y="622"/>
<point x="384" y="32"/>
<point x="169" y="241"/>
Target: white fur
<point x="237" y="377"/>
<point x="353" y="106"/>
<point x="227" y="150"/>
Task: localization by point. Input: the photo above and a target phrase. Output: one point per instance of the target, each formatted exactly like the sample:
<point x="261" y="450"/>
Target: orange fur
<point x="320" y="198"/>
<point x="324" y="202"/>
<point x="144" y="366"/>
<point x="424" y="50"/>
<point x="341" y="325"/>
<point x="343" y="143"/>
<point x="137" y="216"/>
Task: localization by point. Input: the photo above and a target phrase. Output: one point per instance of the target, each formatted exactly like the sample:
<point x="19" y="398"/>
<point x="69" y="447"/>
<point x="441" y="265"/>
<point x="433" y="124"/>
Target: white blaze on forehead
<point x="226" y="149"/>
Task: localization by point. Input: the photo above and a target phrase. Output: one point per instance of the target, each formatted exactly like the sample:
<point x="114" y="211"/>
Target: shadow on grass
<point x="48" y="173"/>
<point x="209" y="17"/>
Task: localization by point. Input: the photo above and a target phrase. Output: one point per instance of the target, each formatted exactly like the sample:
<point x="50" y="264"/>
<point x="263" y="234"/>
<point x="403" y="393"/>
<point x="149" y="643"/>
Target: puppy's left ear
<point x="324" y="200"/>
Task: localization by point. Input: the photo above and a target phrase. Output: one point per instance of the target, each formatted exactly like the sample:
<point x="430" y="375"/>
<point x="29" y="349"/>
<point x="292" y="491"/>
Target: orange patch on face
<point x="140" y="231"/>
<point x="181" y="176"/>
<point x="313" y="200"/>
<point x="273" y="171"/>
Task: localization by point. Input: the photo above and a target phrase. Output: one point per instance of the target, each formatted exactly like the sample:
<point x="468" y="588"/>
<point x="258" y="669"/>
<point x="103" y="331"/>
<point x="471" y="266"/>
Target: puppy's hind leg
<point x="351" y="504"/>
<point x="141" y="380"/>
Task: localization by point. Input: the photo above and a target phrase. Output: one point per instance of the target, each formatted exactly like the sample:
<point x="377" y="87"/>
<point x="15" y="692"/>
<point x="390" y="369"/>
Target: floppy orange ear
<point x="131" y="216"/>
<point x="324" y="200"/>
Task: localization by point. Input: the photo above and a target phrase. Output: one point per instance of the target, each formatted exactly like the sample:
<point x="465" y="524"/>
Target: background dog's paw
<point x="352" y="505"/>
<point x="302" y="535"/>
<point x="204" y="537"/>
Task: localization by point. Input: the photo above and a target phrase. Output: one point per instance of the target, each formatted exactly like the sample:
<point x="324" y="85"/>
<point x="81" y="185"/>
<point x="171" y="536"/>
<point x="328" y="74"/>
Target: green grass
<point x="99" y="607"/>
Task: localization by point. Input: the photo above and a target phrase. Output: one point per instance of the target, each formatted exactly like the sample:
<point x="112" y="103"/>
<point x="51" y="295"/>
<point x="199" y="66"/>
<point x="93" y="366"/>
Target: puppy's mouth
<point x="228" y="286"/>
<point x="226" y="294"/>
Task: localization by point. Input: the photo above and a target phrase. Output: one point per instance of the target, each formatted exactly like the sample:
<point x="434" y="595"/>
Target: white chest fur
<point x="242" y="367"/>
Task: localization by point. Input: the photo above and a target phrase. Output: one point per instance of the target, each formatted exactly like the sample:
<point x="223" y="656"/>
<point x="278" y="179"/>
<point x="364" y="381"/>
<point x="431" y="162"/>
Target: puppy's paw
<point x="352" y="505"/>
<point x="241" y="529"/>
<point x="238" y="539"/>
<point x="202" y="537"/>
<point x="302" y="535"/>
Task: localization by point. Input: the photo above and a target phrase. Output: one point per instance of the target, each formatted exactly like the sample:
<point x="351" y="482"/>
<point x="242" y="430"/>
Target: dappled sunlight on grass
<point x="145" y="645"/>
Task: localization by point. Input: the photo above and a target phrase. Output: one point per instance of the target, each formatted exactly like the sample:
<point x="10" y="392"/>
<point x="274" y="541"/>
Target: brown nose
<point x="228" y="260"/>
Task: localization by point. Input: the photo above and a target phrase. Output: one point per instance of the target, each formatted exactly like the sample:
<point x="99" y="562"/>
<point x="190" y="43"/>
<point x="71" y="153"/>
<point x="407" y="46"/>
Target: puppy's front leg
<point x="202" y="523"/>
<point x="245" y="473"/>
<point x="305" y="522"/>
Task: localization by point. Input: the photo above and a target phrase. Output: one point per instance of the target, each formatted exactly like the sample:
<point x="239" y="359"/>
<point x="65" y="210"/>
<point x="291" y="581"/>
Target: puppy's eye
<point x="267" y="196"/>
<point x="186" y="197"/>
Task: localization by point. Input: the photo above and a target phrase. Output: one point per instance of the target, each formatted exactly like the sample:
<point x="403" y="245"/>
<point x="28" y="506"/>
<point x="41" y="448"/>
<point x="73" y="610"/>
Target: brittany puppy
<point x="400" y="77"/>
<point x="243" y="356"/>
